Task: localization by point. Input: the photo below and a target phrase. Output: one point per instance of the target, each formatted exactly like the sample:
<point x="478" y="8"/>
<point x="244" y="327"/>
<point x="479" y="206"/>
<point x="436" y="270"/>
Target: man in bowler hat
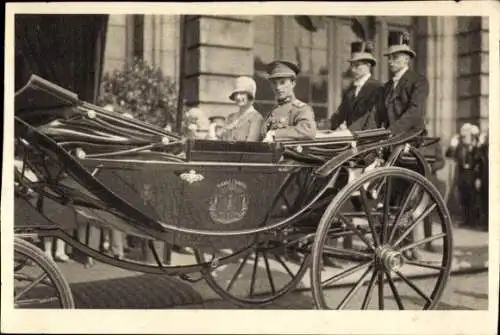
<point x="290" y="118"/>
<point x="402" y="108"/>
<point x="356" y="110"/>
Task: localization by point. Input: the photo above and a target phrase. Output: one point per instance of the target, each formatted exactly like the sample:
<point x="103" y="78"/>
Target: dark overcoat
<point x="402" y="109"/>
<point x="358" y="112"/>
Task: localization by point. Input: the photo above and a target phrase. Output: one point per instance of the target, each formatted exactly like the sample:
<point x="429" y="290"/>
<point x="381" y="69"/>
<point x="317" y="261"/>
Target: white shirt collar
<point x="399" y="74"/>
<point x="361" y="81"/>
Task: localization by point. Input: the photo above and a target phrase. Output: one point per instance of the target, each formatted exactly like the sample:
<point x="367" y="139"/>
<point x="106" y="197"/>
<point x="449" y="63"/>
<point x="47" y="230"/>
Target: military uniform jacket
<point x="358" y="112"/>
<point x="403" y="108"/>
<point x="292" y="120"/>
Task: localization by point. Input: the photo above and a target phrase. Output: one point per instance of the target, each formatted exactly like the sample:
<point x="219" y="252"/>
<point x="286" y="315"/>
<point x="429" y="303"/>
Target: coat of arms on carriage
<point x="229" y="204"/>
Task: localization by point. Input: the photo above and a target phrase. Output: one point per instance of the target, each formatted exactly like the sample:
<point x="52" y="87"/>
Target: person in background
<point x="482" y="155"/>
<point x="290" y="118"/>
<point x="215" y="128"/>
<point x="246" y="123"/>
<point x="461" y="149"/>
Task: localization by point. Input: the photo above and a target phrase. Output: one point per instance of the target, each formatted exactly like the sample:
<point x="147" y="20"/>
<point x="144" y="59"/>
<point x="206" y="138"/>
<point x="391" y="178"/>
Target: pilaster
<point x="218" y="50"/>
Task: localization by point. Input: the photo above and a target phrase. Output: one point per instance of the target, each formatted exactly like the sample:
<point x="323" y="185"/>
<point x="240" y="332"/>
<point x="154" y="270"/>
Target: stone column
<point x="115" y="51"/>
<point x="219" y="48"/>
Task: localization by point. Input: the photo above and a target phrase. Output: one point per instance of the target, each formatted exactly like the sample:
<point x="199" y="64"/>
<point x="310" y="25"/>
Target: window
<point x="138" y="36"/>
<point x="135" y="36"/>
<point x="286" y="37"/>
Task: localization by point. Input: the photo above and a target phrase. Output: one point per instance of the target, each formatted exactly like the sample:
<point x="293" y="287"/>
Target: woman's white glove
<point x="454" y="141"/>
<point x="270" y="136"/>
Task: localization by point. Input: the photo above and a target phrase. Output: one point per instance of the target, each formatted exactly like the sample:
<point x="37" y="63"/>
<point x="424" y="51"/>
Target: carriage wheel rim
<point x="259" y="299"/>
<point x="382" y="266"/>
<point x="50" y="270"/>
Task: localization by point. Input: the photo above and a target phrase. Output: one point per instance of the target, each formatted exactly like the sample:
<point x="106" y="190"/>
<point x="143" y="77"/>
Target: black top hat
<point x="399" y="41"/>
<point x="362" y="50"/>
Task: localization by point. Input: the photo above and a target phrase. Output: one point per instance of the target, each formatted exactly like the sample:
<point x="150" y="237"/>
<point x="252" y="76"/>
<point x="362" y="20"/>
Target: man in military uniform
<point x="290" y="118"/>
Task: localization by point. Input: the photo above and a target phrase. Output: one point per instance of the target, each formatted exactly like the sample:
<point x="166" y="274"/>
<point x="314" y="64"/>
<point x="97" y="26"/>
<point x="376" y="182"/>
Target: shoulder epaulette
<point x="298" y="103"/>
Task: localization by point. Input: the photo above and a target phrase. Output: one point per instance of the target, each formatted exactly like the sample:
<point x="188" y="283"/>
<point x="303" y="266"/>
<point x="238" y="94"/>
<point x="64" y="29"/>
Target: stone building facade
<point x="451" y="51"/>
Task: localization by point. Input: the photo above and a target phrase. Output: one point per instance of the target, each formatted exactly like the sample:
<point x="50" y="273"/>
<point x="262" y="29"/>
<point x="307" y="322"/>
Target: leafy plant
<point x="143" y="91"/>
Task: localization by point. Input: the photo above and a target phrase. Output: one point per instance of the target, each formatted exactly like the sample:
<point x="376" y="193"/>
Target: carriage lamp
<point x="80" y="153"/>
<point x="91" y="114"/>
<point x="165" y="140"/>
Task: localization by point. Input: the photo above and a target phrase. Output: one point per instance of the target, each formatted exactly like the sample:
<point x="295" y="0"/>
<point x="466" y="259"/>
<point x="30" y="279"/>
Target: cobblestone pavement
<point x="103" y="286"/>
<point x="464" y="292"/>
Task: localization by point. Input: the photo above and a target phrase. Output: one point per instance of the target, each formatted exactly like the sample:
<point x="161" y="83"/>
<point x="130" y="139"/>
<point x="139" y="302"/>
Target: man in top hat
<point x="290" y="118"/>
<point x="356" y="110"/>
<point x="403" y="105"/>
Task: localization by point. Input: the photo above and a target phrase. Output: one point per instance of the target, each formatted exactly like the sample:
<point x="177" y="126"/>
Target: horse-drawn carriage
<point x="237" y="204"/>
<point x="241" y="206"/>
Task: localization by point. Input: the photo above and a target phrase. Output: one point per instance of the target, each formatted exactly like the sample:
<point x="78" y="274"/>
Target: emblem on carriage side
<point x="229" y="204"/>
<point x="191" y="176"/>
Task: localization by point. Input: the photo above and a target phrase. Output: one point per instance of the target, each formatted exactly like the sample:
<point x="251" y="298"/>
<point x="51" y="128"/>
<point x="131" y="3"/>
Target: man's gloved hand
<point x="406" y="149"/>
<point x="454" y="141"/>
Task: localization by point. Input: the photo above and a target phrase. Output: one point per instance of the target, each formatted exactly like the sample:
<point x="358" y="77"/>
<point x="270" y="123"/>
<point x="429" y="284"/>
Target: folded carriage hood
<point x="67" y="50"/>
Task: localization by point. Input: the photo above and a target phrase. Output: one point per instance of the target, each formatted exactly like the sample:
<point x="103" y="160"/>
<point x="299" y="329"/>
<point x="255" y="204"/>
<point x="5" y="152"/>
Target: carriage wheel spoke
<point x="380" y="282"/>
<point x="30" y="286"/>
<point x="364" y="200"/>
<point x="424" y="265"/>
<point x="394" y="290"/>
<point x="425" y="240"/>
<point x="237" y="273"/>
<point x="411" y="227"/>
<point x="413" y="286"/>
<point x="346" y="273"/>
<point x="385" y="220"/>
<point x="269" y="274"/>
<point x="254" y="272"/>
<point x="368" y="295"/>
<point x="355" y="288"/>
<point x="355" y="230"/>
<point x="402" y="211"/>
<point x="333" y="251"/>
<point x="283" y="264"/>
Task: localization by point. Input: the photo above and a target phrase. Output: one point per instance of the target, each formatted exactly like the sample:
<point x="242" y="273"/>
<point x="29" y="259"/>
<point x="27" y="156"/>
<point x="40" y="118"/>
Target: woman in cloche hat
<point x="245" y="124"/>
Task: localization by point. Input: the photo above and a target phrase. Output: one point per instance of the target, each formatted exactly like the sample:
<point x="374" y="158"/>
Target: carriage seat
<point x="202" y="150"/>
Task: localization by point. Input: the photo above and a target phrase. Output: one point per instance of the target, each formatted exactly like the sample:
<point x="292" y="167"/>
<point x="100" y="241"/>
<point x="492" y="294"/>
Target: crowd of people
<point x="398" y="105"/>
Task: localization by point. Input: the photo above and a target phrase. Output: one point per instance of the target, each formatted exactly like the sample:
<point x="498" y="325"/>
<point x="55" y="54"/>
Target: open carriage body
<point x="240" y="206"/>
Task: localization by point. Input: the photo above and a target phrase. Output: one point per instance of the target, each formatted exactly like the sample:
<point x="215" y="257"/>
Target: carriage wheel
<point x="259" y="277"/>
<point x="385" y="234"/>
<point x="38" y="283"/>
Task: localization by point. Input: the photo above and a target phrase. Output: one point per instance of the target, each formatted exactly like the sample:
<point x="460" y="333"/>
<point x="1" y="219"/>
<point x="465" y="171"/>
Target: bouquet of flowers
<point x="142" y="91"/>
